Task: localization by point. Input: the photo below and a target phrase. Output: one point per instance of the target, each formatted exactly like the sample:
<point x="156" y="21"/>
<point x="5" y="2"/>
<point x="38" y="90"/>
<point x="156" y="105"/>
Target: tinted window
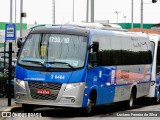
<point x="109" y="50"/>
<point x="127" y="51"/>
<point x="123" y="50"/>
<point x="158" y="54"/>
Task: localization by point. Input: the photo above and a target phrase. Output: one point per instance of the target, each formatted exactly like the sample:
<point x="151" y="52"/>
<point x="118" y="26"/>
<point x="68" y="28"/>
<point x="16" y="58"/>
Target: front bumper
<point x="66" y="98"/>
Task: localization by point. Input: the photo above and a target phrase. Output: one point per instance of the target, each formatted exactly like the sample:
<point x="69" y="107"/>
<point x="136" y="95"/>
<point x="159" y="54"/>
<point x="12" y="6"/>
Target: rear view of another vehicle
<point x="155" y="80"/>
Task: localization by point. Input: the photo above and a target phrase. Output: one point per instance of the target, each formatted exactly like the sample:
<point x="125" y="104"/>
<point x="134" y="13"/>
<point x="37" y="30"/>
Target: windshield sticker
<point x="58" y="40"/>
<point x="43" y="50"/>
<point x="25" y="52"/>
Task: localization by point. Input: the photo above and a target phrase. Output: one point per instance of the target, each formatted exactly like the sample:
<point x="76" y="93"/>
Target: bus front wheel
<point x="90" y="105"/>
<point x="91" y="102"/>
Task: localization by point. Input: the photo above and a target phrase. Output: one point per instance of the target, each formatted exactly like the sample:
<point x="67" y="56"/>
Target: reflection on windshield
<point x="58" y="50"/>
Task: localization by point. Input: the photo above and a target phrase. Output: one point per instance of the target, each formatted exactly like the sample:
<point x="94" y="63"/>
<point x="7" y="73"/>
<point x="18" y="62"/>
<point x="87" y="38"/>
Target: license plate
<point x="44" y="92"/>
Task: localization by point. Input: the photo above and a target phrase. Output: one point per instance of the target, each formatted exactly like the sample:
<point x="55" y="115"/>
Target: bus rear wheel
<point x="132" y="98"/>
<point x="131" y="101"/>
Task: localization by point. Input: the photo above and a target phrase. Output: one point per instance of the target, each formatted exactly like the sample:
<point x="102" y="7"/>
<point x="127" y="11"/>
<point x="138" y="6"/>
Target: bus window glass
<point x="61" y="51"/>
<point x="116" y="50"/>
<point x="126" y="50"/>
<point x="158" y="55"/>
<point x="109" y="50"/>
<point x="158" y="59"/>
<point x="152" y="47"/>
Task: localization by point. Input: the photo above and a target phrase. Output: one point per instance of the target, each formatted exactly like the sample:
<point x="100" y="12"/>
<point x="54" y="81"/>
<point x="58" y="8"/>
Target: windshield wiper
<point x="36" y="62"/>
<point x="62" y="63"/>
<point x="44" y="63"/>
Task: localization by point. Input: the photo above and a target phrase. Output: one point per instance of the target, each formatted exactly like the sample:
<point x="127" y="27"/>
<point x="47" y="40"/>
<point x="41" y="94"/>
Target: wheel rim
<point x="89" y="106"/>
<point x="131" y="101"/>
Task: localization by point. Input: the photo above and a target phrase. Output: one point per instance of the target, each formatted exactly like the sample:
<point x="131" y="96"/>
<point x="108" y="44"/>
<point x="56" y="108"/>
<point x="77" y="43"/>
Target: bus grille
<point x="53" y="87"/>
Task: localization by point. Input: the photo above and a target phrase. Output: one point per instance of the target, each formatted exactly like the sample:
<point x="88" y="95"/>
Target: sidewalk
<point x="5" y="108"/>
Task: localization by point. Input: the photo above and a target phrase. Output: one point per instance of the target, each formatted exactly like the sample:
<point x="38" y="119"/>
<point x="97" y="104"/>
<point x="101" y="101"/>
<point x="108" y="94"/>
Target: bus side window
<point x="152" y="47"/>
<point x="158" y="59"/>
<point x="158" y="56"/>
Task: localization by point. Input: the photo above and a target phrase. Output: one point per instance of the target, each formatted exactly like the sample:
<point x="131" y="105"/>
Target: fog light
<point x="18" y="97"/>
<point x="73" y="100"/>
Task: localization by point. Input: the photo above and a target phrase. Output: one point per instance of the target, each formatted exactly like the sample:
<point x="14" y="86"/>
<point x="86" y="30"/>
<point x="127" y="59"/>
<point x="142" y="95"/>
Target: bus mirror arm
<point x="19" y="42"/>
<point x="90" y="47"/>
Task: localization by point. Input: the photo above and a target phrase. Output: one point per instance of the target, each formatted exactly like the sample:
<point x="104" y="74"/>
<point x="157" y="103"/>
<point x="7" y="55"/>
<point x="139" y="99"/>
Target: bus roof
<point x="84" y="31"/>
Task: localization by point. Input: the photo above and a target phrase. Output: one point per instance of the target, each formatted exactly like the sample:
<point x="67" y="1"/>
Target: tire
<point x="131" y="101"/>
<point x="129" y="104"/>
<point x="88" y="110"/>
<point x="156" y="100"/>
<point x="28" y="108"/>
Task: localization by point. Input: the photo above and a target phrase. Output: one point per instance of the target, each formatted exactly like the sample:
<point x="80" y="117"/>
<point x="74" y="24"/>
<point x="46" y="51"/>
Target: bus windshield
<point x="54" y="51"/>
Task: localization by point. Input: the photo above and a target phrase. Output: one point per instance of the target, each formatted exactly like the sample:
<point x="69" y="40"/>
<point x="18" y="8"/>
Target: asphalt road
<point x="143" y="110"/>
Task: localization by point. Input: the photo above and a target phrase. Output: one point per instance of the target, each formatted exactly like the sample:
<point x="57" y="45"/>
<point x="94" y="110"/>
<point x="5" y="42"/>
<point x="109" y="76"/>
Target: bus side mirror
<point x="19" y="42"/>
<point x="93" y="56"/>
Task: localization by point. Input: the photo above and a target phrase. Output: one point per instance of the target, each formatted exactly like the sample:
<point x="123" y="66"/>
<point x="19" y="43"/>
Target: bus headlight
<point x="72" y="85"/>
<point x="20" y="82"/>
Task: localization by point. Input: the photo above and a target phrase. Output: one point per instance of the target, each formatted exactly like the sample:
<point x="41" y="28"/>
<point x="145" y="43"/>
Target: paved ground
<point x="4" y="106"/>
<point x="102" y="113"/>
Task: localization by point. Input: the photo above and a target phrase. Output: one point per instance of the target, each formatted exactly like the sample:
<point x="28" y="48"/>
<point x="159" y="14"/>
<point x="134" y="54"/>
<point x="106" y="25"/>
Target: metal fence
<point x="7" y="75"/>
<point x="4" y="86"/>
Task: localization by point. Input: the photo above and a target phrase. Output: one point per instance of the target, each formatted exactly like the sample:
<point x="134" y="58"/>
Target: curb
<point x="17" y="108"/>
<point x="11" y="109"/>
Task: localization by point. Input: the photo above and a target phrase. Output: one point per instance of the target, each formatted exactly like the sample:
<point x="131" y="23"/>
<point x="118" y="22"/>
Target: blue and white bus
<point x="81" y="67"/>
